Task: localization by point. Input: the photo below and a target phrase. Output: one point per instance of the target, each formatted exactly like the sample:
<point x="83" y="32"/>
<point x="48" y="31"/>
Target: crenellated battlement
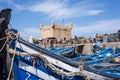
<point x="57" y="31"/>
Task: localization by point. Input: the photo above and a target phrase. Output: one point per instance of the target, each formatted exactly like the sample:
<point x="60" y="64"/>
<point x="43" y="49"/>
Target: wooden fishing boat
<point x="106" y="67"/>
<point x="47" y="66"/>
<point x="67" y="52"/>
<point x="101" y="54"/>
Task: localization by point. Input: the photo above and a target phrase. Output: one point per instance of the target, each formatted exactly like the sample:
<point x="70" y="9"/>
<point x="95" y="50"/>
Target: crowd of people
<point x="76" y="40"/>
<point x="98" y="38"/>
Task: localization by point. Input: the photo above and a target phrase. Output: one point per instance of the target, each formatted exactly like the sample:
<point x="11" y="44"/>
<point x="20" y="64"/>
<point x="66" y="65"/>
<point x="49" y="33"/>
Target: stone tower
<point x="57" y="31"/>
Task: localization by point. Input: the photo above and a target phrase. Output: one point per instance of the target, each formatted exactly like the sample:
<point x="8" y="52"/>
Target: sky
<point x="87" y="16"/>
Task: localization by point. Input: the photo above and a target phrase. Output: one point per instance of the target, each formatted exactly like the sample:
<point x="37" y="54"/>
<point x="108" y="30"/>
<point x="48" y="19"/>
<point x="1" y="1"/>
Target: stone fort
<point x="56" y="31"/>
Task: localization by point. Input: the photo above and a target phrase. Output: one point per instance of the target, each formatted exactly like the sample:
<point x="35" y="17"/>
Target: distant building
<point x="56" y="31"/>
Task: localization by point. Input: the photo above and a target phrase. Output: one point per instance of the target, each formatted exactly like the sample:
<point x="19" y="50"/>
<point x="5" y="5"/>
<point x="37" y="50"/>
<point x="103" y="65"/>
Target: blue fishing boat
<point x="67" y="52"/>
<point x="106" y="67"/>
<point x="97" y="48"/>
<point x="47" y="65"/>
<point x="101" y="54"/>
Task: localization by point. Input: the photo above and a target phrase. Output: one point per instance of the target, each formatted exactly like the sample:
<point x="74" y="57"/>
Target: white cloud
<point x="61" y="8"/>
<point x="104" y="26"/>
<point x="27" y="32"/>
<point x="46" y="7"/>
<point x="58" y="9"/>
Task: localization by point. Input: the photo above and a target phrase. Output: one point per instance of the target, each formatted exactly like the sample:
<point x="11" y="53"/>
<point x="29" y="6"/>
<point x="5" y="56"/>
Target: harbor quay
<point x="88" y="47"/>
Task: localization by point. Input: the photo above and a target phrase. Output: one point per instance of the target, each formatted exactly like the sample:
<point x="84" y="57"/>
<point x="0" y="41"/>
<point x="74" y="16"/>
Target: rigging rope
<point x="4" y="43"/>
<point x="11" y="66"/>
<point x="11" y="36"/>
<point x="50" y="65"/>
<point x="3" y="38"/>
